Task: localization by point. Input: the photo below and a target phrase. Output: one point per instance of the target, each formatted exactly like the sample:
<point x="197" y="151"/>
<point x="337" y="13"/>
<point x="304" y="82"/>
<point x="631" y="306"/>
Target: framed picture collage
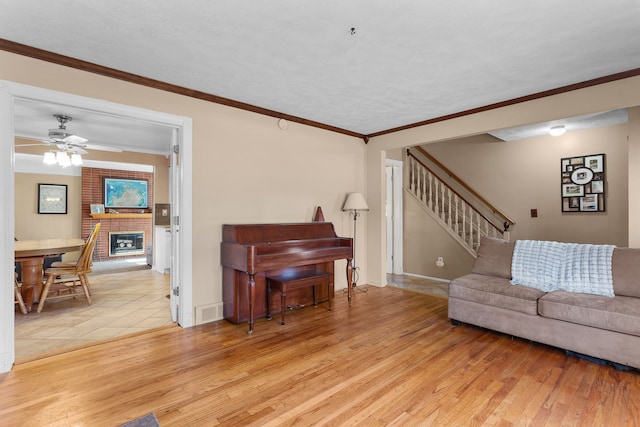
<point x="583" y="183"/>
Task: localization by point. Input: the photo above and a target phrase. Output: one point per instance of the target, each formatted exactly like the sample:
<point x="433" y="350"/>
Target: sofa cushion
<point x="625" y="267"/>
<point x="619" y="314"/>
<point x="496" y="292"/>
<point x="494" y="258"/>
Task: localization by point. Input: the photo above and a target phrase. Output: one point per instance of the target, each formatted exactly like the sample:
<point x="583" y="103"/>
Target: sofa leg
<point x="455" y="322"/>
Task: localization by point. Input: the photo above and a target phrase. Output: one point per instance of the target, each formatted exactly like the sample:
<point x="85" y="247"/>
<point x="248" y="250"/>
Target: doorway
<point x="181" y="179"/>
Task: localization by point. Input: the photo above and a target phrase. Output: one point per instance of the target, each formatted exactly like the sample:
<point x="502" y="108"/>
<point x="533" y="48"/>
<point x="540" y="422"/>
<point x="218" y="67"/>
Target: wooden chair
<point x="18" y="296"/>
<point x="63" y="277"/>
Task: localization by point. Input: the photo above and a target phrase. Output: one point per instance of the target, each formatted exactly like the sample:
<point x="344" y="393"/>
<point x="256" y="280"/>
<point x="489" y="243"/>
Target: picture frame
<point x="97" y="208"/>
<point x="597" y="187"/>
<point x="589" y="203"/>
<point x="52" y="199"/>
<point x="572" y="190"/>
<point x="583" y="185"/>
<point x="595" y="163"/>
<point x="126" y="193"/>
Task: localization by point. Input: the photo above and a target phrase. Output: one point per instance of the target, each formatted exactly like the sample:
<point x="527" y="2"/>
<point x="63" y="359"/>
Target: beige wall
<point x="609" y="96"/>
<point x="248" y="170"/>
<point x="522" y="175"/>
<point x="425" y="241"/>
<point x="245" y="168"/>
<point x="634" y="177"/>
<point x="31" y="225"/>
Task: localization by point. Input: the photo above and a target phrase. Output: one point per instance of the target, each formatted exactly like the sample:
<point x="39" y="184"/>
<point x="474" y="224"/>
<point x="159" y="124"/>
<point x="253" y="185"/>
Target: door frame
<point x="10" y="91"/>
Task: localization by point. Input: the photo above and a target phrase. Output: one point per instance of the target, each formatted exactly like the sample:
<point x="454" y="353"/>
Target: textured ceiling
<point x="405" y="62"/>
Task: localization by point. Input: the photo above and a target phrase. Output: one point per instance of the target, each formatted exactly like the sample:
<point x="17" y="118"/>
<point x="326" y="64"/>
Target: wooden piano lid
<point x="263" y="233"/>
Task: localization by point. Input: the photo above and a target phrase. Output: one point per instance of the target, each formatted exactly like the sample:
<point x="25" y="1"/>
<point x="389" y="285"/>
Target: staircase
<point x="457" y="208"/>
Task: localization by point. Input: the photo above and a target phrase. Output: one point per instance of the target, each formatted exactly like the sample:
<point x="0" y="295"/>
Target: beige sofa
<point x="597" y="326"/>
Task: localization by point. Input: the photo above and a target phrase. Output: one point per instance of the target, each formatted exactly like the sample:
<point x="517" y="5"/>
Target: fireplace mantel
<point x="120" y="215"/>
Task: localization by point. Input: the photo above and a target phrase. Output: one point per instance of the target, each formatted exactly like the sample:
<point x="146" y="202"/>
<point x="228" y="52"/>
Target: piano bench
<point x="295" y="280"/>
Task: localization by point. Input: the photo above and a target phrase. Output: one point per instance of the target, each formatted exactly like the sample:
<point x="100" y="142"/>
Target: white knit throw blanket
<point x="572" y="267"/>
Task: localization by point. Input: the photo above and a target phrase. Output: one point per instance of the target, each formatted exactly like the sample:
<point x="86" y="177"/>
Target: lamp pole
<point x="354" y="203"/>
<point x="355" y="268"/>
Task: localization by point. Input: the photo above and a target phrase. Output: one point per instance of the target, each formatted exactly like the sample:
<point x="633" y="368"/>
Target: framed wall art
<point x="97" y="209"/>
<point x="583" y="183"/>
<point x="125" y="193"/>
<point x="52" y="199"/>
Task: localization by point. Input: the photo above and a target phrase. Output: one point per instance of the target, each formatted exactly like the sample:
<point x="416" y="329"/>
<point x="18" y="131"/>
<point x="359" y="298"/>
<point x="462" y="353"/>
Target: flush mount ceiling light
<point x="557" y="130"/>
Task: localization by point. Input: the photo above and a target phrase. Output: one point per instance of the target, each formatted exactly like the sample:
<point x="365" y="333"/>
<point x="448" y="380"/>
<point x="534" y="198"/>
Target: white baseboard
<point x="437" y="279"/>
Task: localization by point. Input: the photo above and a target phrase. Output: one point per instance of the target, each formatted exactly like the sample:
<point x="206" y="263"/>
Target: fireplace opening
<point x="126" y="243"/>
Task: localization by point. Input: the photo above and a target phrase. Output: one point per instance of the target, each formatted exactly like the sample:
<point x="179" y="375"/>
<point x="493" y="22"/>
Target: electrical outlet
<point x="440" y="262"/>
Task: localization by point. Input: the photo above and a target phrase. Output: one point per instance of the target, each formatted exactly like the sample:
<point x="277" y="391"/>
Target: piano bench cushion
<point x="298" y="279"/>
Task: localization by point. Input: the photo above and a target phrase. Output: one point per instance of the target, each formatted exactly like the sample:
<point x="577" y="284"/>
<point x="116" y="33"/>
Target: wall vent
<point x="209" y="313"/>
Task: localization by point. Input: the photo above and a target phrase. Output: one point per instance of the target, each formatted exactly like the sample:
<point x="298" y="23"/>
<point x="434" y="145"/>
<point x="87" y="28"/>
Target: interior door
<point x="389" y="217"/>
<point x="394" y="217"/>
<point x="174" y="185"/>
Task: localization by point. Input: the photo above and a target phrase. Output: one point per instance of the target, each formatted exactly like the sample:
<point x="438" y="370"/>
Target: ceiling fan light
<point x="60" y="155"/>
<point x="76" y="159"/>
<point x="49" y="158"/>
<point x="63" y="159"/>
<point x="557" y="130"/>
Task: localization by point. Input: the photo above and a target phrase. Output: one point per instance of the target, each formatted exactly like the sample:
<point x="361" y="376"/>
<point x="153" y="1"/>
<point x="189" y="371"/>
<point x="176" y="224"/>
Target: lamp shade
<point x="355" y="202"/>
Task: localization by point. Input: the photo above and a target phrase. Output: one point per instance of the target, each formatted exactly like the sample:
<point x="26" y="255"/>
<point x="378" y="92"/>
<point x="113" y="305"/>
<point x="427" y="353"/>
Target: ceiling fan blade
<point x="31" y="145"/>
<point x="103" y="148"/>
<point x="75" y="139"/>
<point x="78" y="150"/>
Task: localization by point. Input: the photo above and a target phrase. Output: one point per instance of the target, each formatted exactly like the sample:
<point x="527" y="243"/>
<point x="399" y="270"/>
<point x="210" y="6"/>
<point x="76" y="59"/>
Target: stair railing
<point x="454" y="212"/>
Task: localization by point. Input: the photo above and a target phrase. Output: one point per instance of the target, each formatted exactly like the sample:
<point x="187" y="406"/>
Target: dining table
<point x="31" y="254"/>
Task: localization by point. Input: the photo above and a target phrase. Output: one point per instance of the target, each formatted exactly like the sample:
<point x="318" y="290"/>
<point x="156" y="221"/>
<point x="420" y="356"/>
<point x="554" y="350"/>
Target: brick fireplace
<point x="130" y="222"/>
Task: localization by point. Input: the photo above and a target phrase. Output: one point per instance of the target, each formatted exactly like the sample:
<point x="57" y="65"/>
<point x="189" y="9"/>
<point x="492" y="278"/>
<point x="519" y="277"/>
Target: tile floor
<point x="419" y="284"/>
<point x="123" y="303"/>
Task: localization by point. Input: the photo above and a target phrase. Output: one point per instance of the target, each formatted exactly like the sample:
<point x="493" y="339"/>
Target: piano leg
<point x="252" y="297"/>
<point x="349" y="279"/>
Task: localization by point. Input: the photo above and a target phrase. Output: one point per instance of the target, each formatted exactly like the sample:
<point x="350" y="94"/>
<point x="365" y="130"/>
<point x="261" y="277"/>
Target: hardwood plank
<point x="392" y="358"/>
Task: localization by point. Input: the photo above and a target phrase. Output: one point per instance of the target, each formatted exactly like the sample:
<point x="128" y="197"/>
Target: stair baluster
<point x="452" y="211"/>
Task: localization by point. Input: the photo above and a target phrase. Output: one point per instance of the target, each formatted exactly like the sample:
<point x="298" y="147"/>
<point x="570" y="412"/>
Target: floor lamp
<point x="355" y="202"/>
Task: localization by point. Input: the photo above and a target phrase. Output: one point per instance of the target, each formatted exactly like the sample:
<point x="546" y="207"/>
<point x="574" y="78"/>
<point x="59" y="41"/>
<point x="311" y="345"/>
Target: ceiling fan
<point x="66" y="141"/>
<point x="62" y="138"/>
<point x="61" y="135"/>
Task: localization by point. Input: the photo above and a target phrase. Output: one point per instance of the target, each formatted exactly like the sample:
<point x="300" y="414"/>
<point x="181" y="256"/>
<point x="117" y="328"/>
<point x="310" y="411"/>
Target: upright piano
<point x="250" y="252"/>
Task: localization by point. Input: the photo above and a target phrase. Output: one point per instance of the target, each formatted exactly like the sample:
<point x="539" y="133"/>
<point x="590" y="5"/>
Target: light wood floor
<point x="392" y="358"/>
